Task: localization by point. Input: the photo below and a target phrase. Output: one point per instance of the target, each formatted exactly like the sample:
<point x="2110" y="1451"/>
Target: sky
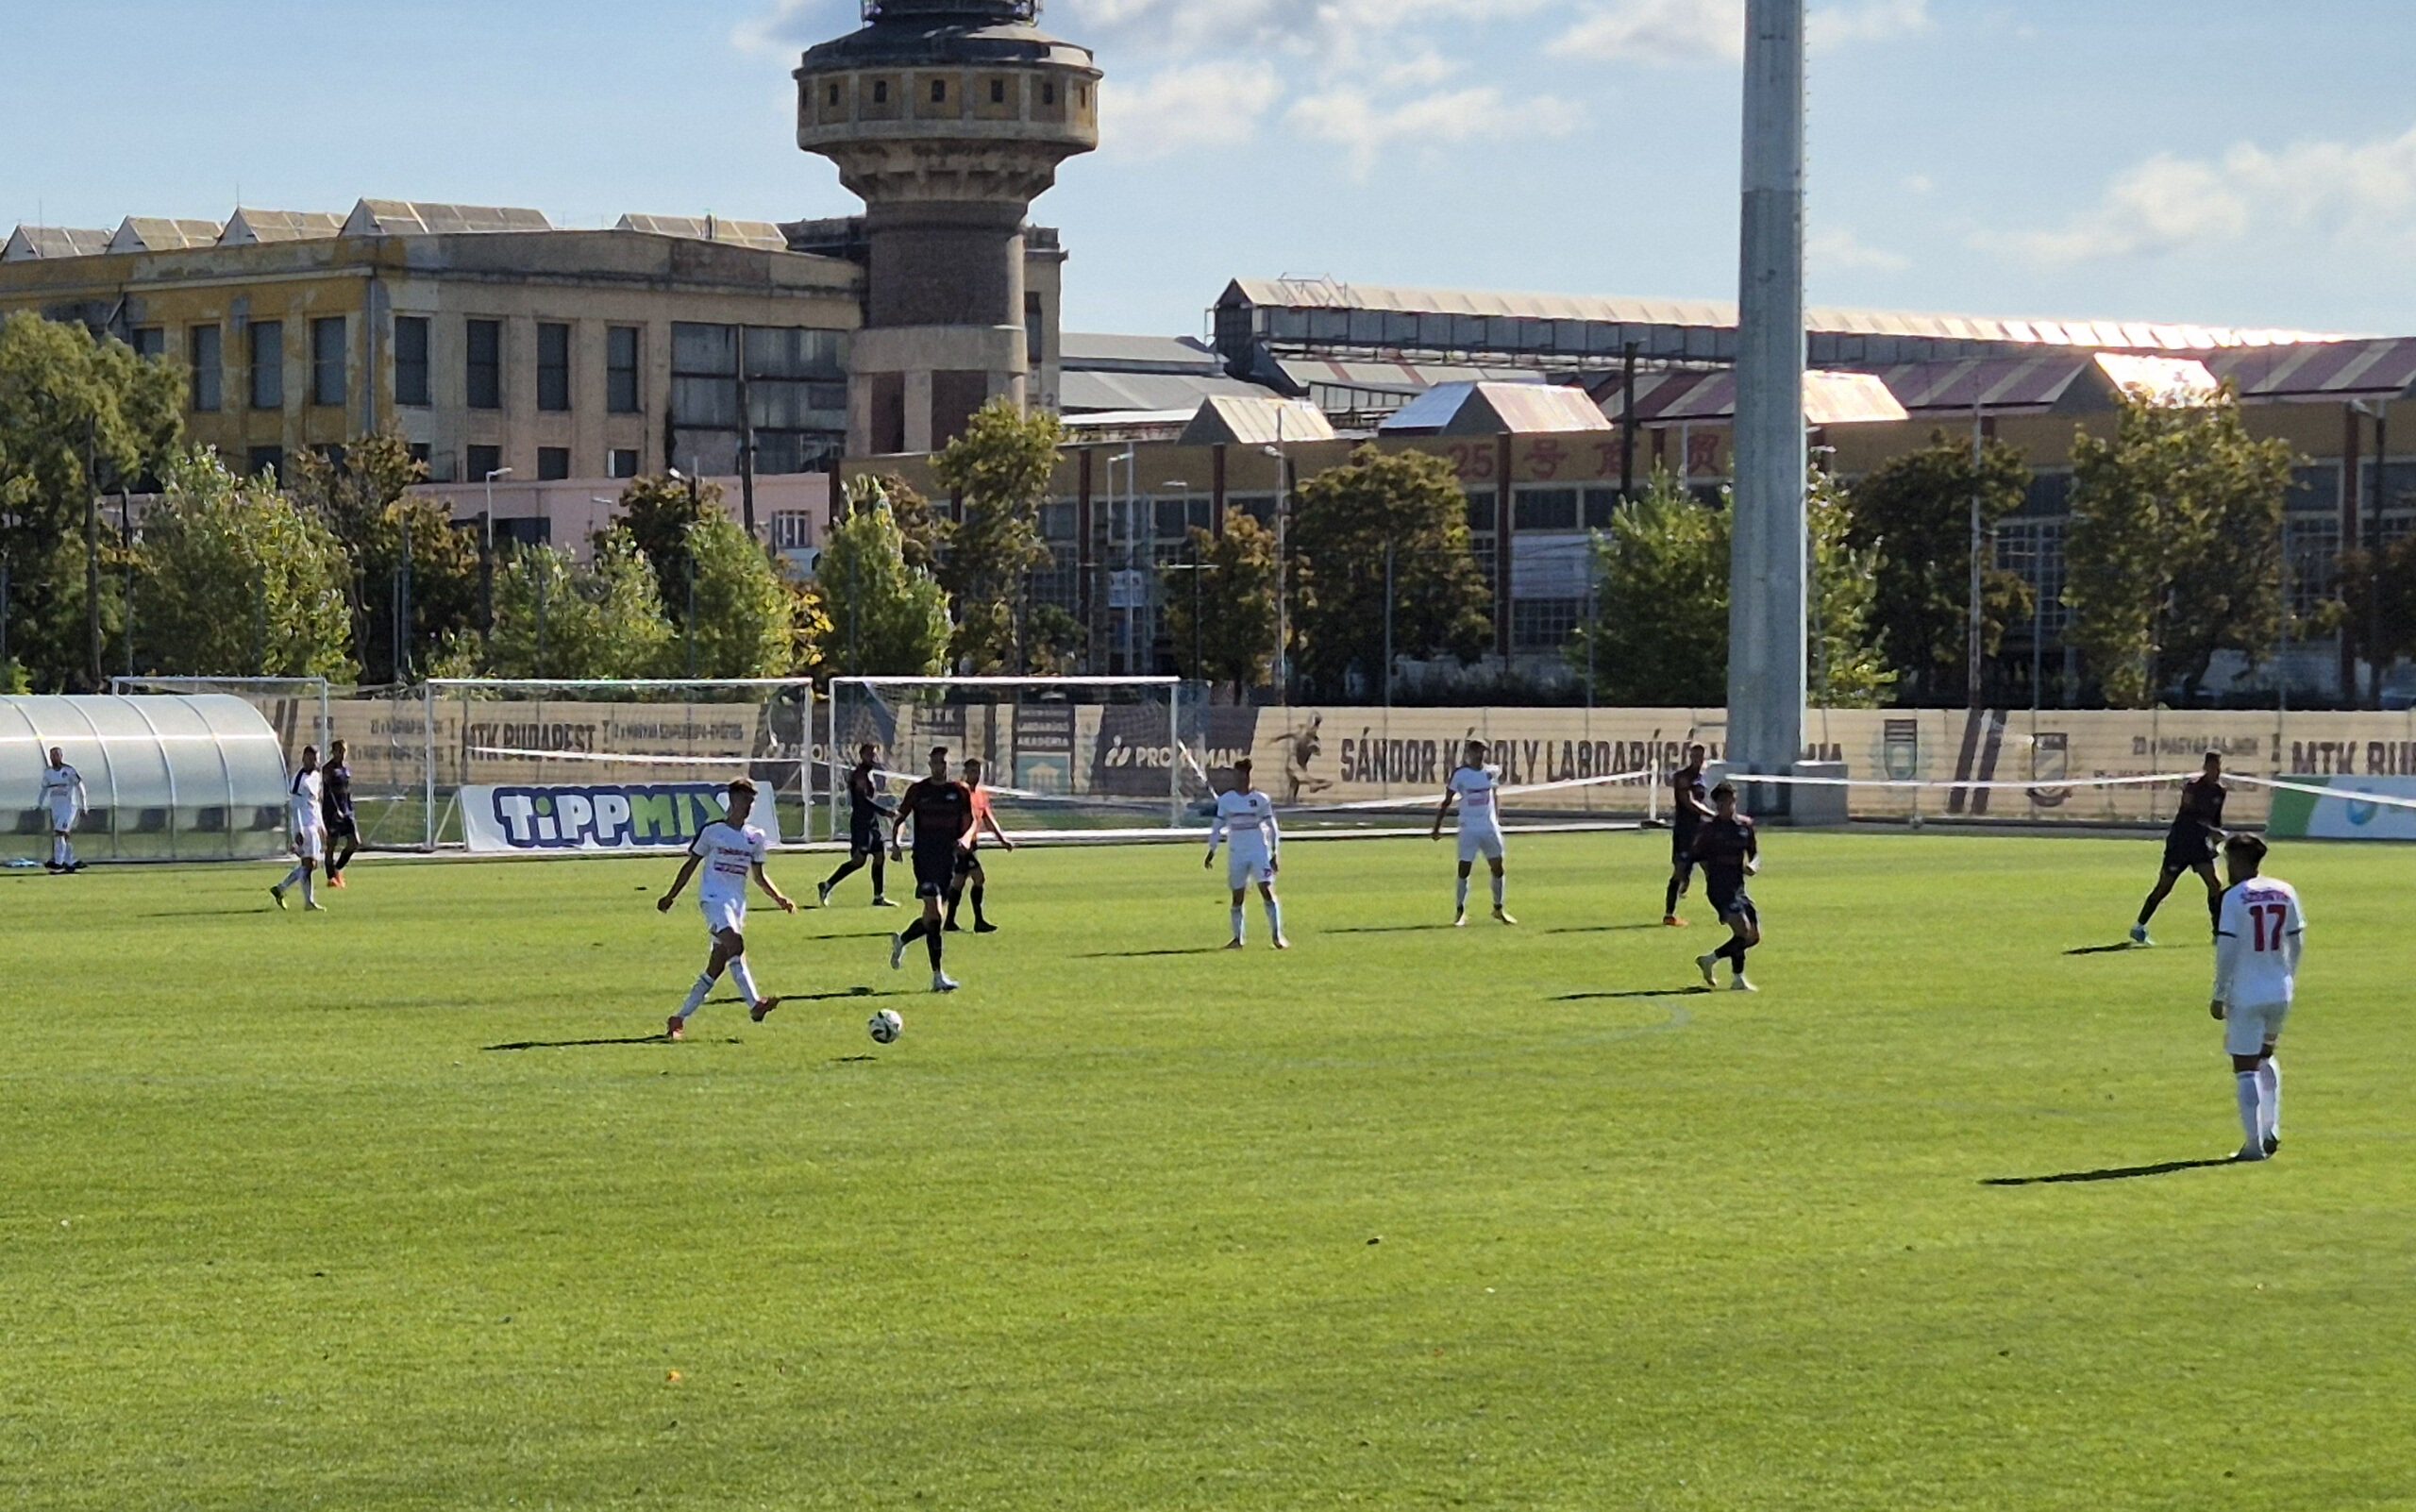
<point x="2248" y="162"/>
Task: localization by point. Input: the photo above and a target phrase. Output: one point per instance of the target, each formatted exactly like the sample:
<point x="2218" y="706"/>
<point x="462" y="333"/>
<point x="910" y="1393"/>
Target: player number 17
<point x="2270" y="920"/>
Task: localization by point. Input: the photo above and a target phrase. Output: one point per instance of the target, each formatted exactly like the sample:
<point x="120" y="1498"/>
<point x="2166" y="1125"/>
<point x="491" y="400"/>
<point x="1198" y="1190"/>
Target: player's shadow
<point x="211" y="913"/>
<point x="2111" y="1173"/>
<point x="1650" y="992"/>
<point x="1602" y="929"/>
<point x="842" y="996"/>
<point x="1141" y="955"/>
<point x="579" y="1044"/>
<point x="1389" y="929"/>
<point x="2115" y="948"/>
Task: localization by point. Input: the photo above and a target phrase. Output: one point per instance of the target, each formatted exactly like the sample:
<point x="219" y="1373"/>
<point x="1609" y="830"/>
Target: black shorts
<point x="863" y="834"/>
<point x="934" y="875"/>
<point x="1682" y="850"/>
<point x="2187" y="851"/>
<point x="343" y="828"/>
<point x="967" y="863"/>
<point x="1729" y="902"/>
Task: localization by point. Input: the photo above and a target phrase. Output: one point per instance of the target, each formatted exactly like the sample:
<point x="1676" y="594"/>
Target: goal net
<point x="568" y="766"/>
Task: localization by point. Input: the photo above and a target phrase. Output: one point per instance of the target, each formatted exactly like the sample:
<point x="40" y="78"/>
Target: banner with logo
<point x="600" y="817"/>
<point x="2327" y="816"/>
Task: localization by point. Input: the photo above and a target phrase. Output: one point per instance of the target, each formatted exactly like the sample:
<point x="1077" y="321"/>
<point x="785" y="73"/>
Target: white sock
<point x="1238" y="915"/>
<point x="1275" y="918"/>
<point x="293" y="877"/>
<point x="1500" y="885"/>
<point x="745" y="981"/>
<point x="310" y="887"/>
<point x="2268" y="1097"/>
<point x="2246" y="1087"/>
<point x="66" y="852"/>
<point x="1463" y="894"/>
<point x="697" y="994"/>
<point x="58" y="850"/>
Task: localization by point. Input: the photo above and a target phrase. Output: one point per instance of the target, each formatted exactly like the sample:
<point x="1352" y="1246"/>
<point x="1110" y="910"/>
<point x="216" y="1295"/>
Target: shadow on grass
<point x="1141" y="955"/>
<point x="852" y="1060"/>
<point x="2116" y="949"/>
<point x="579" y="1044"/>
<point x="2111" y="1173"/>
<point x="1389" y="929"/>
<point x="1653" y="992"/>
<point x="218" y="912"/>
<point x="1602" y="929"/>
<point x="841" y="996"/>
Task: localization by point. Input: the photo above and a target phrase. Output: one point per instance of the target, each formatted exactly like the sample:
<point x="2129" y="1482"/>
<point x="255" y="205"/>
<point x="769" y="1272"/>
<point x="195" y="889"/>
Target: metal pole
<point x="427" y="738"/>
<point x="1388" y="625"/>
<point x="1284" y="481"/>
<point x="1766" y="657"/>
<point x="125" y="539"/>
<point x="1973" y="629"/>
<point x="92" y="557"/>
<point x="403" y="607"/>
<point x="2375" y="660"/>
<point x="1627" y="422"/>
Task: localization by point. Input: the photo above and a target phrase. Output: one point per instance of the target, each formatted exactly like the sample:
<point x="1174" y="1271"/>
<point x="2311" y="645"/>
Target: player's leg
<point x="1460" y="897"/>
<point x="848" y="868"/>
<point x="955" y="897"/>
<point x="2268" y="1098"/>
<point x="60" y="849"/>
<point x="1241" y="892"/>
<point x="2249" y="1099"/>
<point x="714" y="963"/>
<point x="1501" y="880"/>
<point x="2206" y="871"/>
<point x="1745" y="931"/>
<point x="2164" y="881"/>
<point x="1274" y="911"/>
<point x="881" y="878"/>
<point x="981" y="882"/>
<point x="1681" y="873"/>
<point x="292" y="879"/>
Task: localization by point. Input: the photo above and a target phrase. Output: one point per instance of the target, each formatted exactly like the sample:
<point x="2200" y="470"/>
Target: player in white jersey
<point x="731" y="851"/>
<point x="1477" y="788"/>
<point x="2258" y="936"/>
<point x="64" y="800"/>
<point x="1246" y="817"/>
<point x="307" y="823"/>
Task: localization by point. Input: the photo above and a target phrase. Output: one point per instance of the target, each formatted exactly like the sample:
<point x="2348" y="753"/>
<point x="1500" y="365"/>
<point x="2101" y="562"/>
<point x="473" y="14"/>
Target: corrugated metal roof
<point x="2157" y="378"/>
<point x="1497" y="409"/>
<point x="1078" y="391"/>
<point x="1394" y="378"/>
<point x="148" y="233"/>
<point x="1262" y="421"/>
<point x="2338" y="370"/>
<point x="28" y="243"/>
<point x="1098" y="352"/>
<point x="1849" y="400"/>
<point x="405" y="218"/>
<point x="1696" y="397"/>
<point x="1326" y="294"/>
<point x="1995" y="385"/>
<point x="763" y="235"/>
<point x="248" y="227"/>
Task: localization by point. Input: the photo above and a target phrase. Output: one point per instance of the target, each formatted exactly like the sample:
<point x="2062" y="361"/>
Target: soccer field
<point x="404" y="1205"/>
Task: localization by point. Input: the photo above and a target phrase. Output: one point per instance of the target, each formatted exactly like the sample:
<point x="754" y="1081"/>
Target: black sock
<point x="953" y="899"/>
<point x="2147" y="911"/>
<point x="880" y="875"/>
<point x="976" y="904"/>
<point x="914" y="931"/>
<point x="1670" y="909"/>
<point x="846" y="871"/>
<point x="932" y="944"/>
<point x="1733" y="951"/>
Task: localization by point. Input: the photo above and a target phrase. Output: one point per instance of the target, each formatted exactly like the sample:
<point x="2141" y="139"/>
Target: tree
<point x="887" y="619"/>
<point x="235" y="581"/>
<point x="1660" y="632"/>
<point x="1915" y="514"/>
<point x="746" y="621"/>
<point x="554" y="618"/>
<point x="658" y="513"/>
<point x="2174" y="545"/>
<point x="366" y="500"/>
<point x="920" y="528"/>
<point x="77" y="416"/>
<point x="1002" y="467"/>
<point x="1347" y="517"/>
<point x="1232" y="580"/>
<point x="2379" y="588"/>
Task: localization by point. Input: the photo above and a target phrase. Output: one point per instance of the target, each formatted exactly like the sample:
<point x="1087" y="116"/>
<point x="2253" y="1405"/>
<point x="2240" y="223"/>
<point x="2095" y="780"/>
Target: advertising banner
<point x="2325" y="817"/>
<point x="600" y="817"/>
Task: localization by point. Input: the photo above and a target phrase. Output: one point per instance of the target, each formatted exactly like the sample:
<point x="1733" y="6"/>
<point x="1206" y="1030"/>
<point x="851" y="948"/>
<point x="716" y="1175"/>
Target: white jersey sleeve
<point x="63" y="787"/>
<point x="1478" y="788"/>
<point x="1247" y="819"/>
<point x="2258" y="937"/>
<point x="730" y="854"/>
<point x="304" y="802"/>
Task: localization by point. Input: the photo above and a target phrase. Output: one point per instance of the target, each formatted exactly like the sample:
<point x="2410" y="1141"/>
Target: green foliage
<point x="886" y="619"/>
<point x="920" y="528"/>
<point x="1913" y="515"/>
<point x="554" y="618"/>
<point x="746" y="624"/>
<point x="2378" y="588"/>
<point x="1660" y="634"/>
<point x="365" y="501"/>
<point x="235" y="581"/>
<point x="1235" y="588"/>
<point x="77" y="416"/>
<point x="659" y="514"/>
<point x="1002" y="467"/>
<point x="2175" y="547"/>
<point x="1343" y="521"/>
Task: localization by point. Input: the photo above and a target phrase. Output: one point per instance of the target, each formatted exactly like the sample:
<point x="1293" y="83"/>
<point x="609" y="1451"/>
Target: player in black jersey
<point x="1728" y="851"/>
<point x="1688" y="808"/>
<point x="866" y="808"/>
<point x="335" y="807"/>
<point x="941" y="810"/>
<point x="2190" y="844"/>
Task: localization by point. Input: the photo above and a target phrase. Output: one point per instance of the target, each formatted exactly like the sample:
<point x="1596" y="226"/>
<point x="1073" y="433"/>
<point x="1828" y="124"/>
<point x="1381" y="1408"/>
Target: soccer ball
<point x="885" y="1027"/>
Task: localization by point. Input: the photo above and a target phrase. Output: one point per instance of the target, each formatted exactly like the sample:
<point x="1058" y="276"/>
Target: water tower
<point x="950" y="118"/>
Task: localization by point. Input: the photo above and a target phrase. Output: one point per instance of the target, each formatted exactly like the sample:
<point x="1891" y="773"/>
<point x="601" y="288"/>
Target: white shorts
<point x="62" y="817"/>
<point x="311" y="845"/>
<point x="2248" y="1029"/>
<point x="724" y="916"/>
<point x="1245" y="867"/>
<point x="1485" y="840"/>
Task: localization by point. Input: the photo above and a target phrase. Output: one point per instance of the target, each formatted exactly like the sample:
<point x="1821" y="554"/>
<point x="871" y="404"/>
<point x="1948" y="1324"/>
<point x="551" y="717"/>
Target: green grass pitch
<point x="1407" y="1218"/>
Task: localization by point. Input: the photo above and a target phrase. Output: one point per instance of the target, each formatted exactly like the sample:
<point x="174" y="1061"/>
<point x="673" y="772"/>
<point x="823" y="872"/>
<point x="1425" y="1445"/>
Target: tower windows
<point x="939" y="92"/>
<point x="881" y="91"/>
<point x="1049" y="94"/>
<point x="997" y="91"/>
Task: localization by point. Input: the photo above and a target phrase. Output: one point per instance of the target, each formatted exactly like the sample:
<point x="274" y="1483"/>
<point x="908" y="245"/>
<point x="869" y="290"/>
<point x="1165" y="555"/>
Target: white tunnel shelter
<point x="167" y="778"/>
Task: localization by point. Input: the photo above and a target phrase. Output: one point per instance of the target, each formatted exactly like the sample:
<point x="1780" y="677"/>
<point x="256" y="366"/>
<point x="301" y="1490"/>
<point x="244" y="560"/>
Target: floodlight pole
<point x="1765" y="622"/>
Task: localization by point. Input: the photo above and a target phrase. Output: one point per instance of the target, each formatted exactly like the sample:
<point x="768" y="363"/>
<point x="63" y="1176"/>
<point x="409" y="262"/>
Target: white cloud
<point x="1208" y="104"/>
<point x="1667" y="32"/>
<point x="1839" y="250"/>
<point x="1365" y="127"/>
<point x="2339" y="191"/>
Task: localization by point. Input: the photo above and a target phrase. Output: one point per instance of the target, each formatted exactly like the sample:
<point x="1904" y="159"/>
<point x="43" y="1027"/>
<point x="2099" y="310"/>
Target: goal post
<point x="555" y="766"/>
<point x="1074" y="757"/>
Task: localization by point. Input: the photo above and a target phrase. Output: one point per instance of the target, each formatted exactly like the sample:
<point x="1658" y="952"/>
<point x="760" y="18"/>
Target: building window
<point x="834" y="95"/>
<point x="1602" y="506"/>
<point x="150" y="343"/>
<point x="1544" y="624"/>
<point x="268" y="364"/>
<point x="1544" y="509"/>
<point x="625" y="463"/>
<point x="410" y="360"/>
<point x="793" y="530"/>
<point x="482" y="460"/>
<point x="485" y="375"/>
<point x="621" y="370"/>
<point x="881" y="91"/>
<point x="201" y="347"/>
<point x="553" y="463"/>
<point x="1481" y="511"/>
<point x="2312" y="544"/>
<point x="997" y="91"/>
<point x="1049" y="94"/>
<point x="939" y="92"/>
<point x="326" y="361"/>
<point x="553" y="368"/>
<point x="269" y="459"/>
<point x="420" y="454"/>
<point x="2033" y="549"/>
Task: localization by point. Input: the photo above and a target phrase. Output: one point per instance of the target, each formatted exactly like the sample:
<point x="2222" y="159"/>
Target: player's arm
<point x="1216" y="837"/>
<point x="990" y="822"/>
<point x="1753" y="853"/>
<point x="83" y="798"/>
<point x="678" y="884"/>
<point x="971" y="829"/>
<point x="1274" y="841"/>
<point x="763" y="879"/>
<point x="1442" y="811"/>
<point x="898" y="817"/>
